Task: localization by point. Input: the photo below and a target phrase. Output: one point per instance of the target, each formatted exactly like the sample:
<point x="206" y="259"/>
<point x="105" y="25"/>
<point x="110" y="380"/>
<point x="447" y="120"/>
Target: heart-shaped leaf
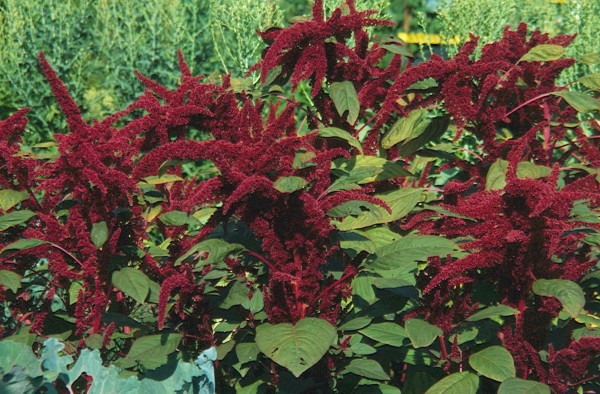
<point x="296" y="347"/>
<point x="568" y="293"/>
<point x="421" y="333"/>
<point x="494" y="362"/>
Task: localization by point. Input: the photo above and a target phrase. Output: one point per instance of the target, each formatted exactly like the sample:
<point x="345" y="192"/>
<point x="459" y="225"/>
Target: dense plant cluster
<point x="413" y="227"/>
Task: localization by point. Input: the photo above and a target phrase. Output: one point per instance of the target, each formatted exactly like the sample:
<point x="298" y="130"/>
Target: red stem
<point x="332" y="286"/>
<point x="67" y="253"/>
<point x="528" y="102"/>
<point x="442" y="341"/>
<point x="263" y="260"/>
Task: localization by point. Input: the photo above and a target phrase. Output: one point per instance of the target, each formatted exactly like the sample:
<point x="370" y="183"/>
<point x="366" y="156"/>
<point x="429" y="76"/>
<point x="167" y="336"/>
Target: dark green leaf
<point x="433" y="131"/>
<point x="159" y="180"/>
<point x="132" y="282"/>
<point x="568" y="293"/>
<point x="543" y="53"/>
<point x="368" y="368"/>
<point x="177" y="218"/>
<point x="296" y="347"/>
<point x="246" y="352"/>
<point x="387" y="333"/>
<point x="397" y="49"/>
<point x="496" y="176"/>
<point x="345" y="99"/>
<point x="211" y="251"/>
<point x="457" y="383"/>
<point x="520" y="386"/>
<point x="493" y="311"/>
<point x="10" y="280"/>
<point x="356" y="323"/>
<point x="22" y="244"/>
<point x="289" y="184"/>
<point x="401" y="201"/>
<point x="582" y="102"/>
<point x="421" y="333"/>
<point x="409" y="249"/>
<point x="15" y="218"/>
<point x="362" y="288"/>
<point x="152" y="351"/>
<point x="494" y="362"/>
<point x="99" y="234"/>
<point x="10" y="198"/>
<point x="406" y="129"/>
<point x="334" y="132"/>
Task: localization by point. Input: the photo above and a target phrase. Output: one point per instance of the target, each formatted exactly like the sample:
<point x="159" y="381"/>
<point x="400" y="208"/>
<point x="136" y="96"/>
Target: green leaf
<point x="334" y="132"/>
<point x="520" y="386"/>
<point x="15" y="218"/>
<point x="401" y="201"/>
<point x="406" y="129"/>
<point x="582" y="102"/>
<point x="177" y="218"/>
<point x="356" y="323"/>
<point x="434" y="130"/>
<point x="368" y="368"/>
<point x="303" y="159"/>
<point x="296" y="347"/>
<point x="366" y="169"/>
<point x="590" y="58"/>
<point x="591" y="81"/>
<point x="210" y="251"/>
<point x="132" y="282"/>
<point x="543" y="53"/>
<point x="289" y="184"/>
<point x="496" y="176"/>
<point x="10" y="198"/>
<point x="246" y="352"/>
<point x="493" y="311"/>
<point x="409" y="249"/>
<point x="457" y="383"/>
<point x="568" y="293"/>
<point x="387" y="333"/>
<point x="159" y="180"/>
<point x="362" y="288"/>
<point x="152" y="351"/>
<point x="99" y="234"/>
<point x="421" y="333"/>
<point x="22" y="244"/>
<point x="345" y="99"/>
<point x="10" y="280"/>
<point x="494" y="362"/>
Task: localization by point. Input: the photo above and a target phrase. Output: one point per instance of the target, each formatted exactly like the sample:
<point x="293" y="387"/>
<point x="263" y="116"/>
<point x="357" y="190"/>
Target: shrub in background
<point x="487" y="19"/>
<point x="344" y="242"/>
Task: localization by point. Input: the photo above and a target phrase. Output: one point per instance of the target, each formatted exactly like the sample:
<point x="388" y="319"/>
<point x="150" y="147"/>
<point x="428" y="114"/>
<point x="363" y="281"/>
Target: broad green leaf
<point x="397" y="49"/>
<point x="591" y="81"/>
<point x="22" y="244"/>
<point x="159" y="180"/>
<point x="356" y="241"/>
<point x="590" y="58"/>
<point x="303" y="159"/>
<point x="387" y="333"/>
<point x="406" y="129"/>
<point x="366" y="169"/>
<point x="334" y="132"/>
<point x="152" y="351"/>
<point x="410" y="249"/>
<point x="381" y="235"/>
<point x="132" y="282"/>
<point x="356" y="324"/>
<point x="10" y="198"/>
<point x="177" y="218"/>
<point x="289" y="184"/>
<point x="99" y="234"/>
<point x="520" y="386"/>
<point x="10" y="280"/>
<point x="345" y="99"/>
<point x="296" y="347"/>
<point x="11" y="219"/>
<point x="494" y="362"/>
<point x="582" y="102"/>
<point x="569" y="293"/>
<point x="496" y="176"/>
<point x="237" y="295"/>
<point x="368" y="368"/>
<point x="436" y="128"/>
<point x="421" y="333"/>
<point x="246" y="352"/>
<point x="362" y="288"/>
<point x="19" y="354"/>
<point x="362" y="349"/>
<point x="401" y="201"/>
<point x="543" y="53"/>
<point x="457" y="383"/>
<point x="493" y="311"/>
<point x="211" y="251"/>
